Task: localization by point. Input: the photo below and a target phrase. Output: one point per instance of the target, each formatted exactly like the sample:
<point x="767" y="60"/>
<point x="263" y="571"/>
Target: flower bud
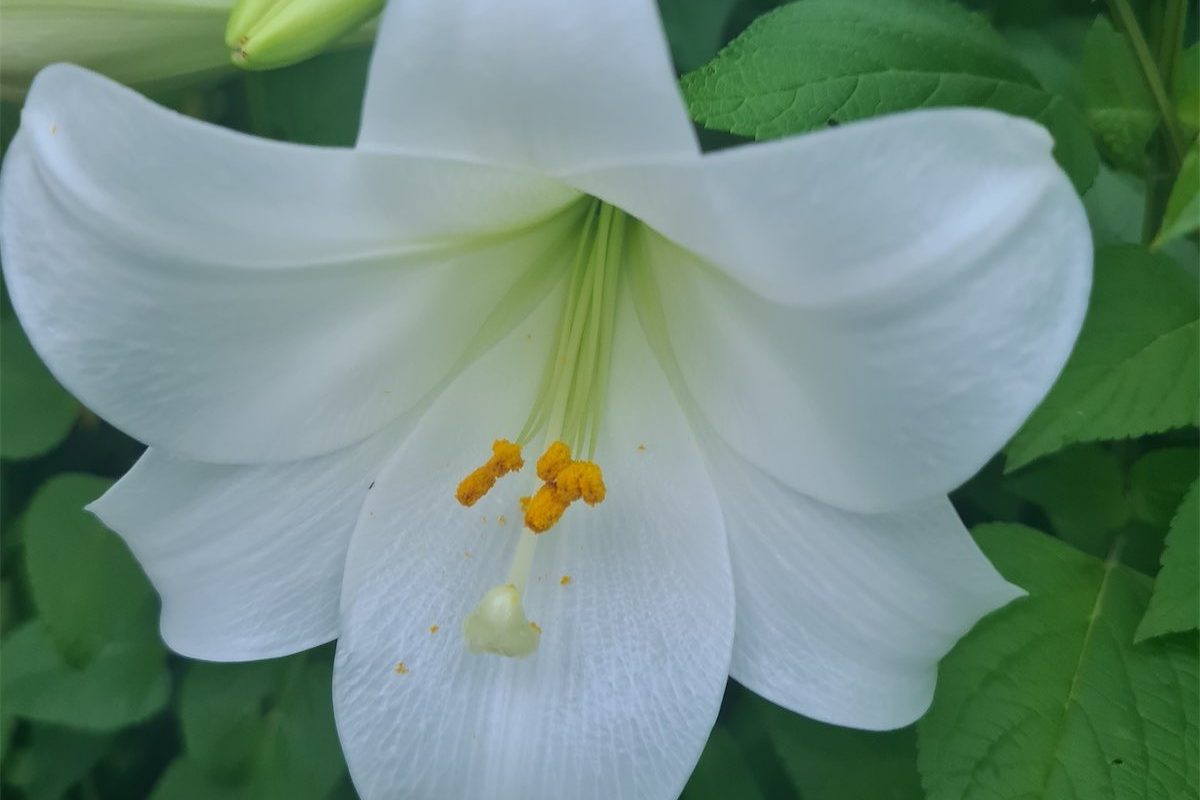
<point x="265" y="34"/>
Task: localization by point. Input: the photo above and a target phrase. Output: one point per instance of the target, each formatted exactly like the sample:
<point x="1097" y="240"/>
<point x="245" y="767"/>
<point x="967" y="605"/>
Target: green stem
<point x="1170" y="45"/>
<point x="1125" y="17"/>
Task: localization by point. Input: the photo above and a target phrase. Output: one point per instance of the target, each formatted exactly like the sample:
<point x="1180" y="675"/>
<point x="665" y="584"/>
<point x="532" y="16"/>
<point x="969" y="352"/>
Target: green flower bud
<point x="265" y="34"/>
<point x="137" y="42"/>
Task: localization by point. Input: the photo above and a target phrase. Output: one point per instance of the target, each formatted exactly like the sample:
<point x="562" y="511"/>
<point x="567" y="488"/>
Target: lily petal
<point x="621" y="695"/>
<point x="248" y="559"/>
<point x="533" y="82"/>
<point x="237" y="300"/>
<point x="898" y="304"/>
<point x="843" y="616"/>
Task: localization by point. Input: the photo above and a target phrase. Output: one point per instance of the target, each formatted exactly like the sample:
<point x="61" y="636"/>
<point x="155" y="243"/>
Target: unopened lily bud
<point x="265" y="34"/>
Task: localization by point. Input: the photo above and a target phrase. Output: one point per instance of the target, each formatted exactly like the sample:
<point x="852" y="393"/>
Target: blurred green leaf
<point x="821" y="62"/>
<point x="1134" y="370"/>
<point x="35" y="412"/>
<point x="88" y="589"/>
<point x="1050" y="698"/>
<point x="122" y="683"/>
<point x="722" y="772"/>
<point x="318" y="101"/>
<point x="1183" y="206"/>
<point x="1159" y="480"/>
<point x="265" y="728"/>
<point x="55" y="759"/>
<point x="1082" y="491"/>
<point x="1175" y="604"/>
<point x="1120" y="109"/>
<point x="828" y="762"/>
<point x="1186" y="89"/>
<point x="695" y="29"/>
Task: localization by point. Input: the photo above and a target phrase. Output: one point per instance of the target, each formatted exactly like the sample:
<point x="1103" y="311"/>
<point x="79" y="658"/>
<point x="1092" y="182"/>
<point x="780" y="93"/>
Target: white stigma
<point x="498" y="625"/>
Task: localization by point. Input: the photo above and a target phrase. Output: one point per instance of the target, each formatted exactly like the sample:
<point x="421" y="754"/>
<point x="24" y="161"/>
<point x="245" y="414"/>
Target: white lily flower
<point x="781" y="356"/>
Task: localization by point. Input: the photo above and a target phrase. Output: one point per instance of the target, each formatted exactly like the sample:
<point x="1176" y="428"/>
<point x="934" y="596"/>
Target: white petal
<point x="844" y="616"/>
<point x="236" y="300"/>
<point x="541" y="82"/>
<point x="885" y="338"/>
<point x="619" y="698"/>
<point x="248" y="559"/>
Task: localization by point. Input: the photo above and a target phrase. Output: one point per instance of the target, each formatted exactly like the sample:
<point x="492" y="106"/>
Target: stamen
<point x="565" y="482"/>
<point x="506" y="458"/>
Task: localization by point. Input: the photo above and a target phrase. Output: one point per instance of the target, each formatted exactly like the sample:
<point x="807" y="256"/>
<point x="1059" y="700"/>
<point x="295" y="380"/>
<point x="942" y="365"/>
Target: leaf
<point x="722" y="772"/>
<point x="695" y="29"/>
<point x="1175" y="604"/>
<point x="1158" y="482"/>
<point x="823" y="62"/>
<point x="1134" y="369"/>
<point x="186" y="779"/>
<point x="318" y="101"/>
<point x="55" y="759"/>
<point x="1186" y="89"/>
<point x="1120" y="109"/>
<point x="123" y="683"/>
<point x="88" y="589"/>
<point x="834" y="763"/>
<point x="265" y="727"/>
<point x="1182" y="215"/>
<point x="1082" y="491"/>
<point x="35" y="412"/>
<point x="1049" y="697"/>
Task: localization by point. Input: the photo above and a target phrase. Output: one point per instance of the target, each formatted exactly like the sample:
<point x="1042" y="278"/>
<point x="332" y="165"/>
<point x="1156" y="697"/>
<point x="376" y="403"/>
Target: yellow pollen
<point x="506" y="458"/>
<point x="566" y="579"/>
<point x="565" y="482"/>
<point x="434" y="628"/>
<point x="535" y="626"/>
<point x="401" y="668"/>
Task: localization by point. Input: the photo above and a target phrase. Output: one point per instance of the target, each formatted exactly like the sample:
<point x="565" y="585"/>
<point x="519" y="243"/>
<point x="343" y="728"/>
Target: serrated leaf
<point x="1120" y="109"/>
<point x="122" y="683"/>
<point x="1182" y="215"/>
<point x="88" y="589"/>
<point x="1049" y="697"/>
<point x="823" y="62"/>
<point x="1158" y="482"/>
<point x="722" y="772"/>
<point x="35" y="412"/>
<point x="1175" y="604"/>
<point x="834" y="763"/>
<point x="265" y="728"/>
<point x="1134" y="369"/>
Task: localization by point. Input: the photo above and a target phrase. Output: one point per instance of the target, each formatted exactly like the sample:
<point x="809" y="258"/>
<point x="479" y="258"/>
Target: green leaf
<point x="55" y="759"/>
<point x="1186" y="89"/>
<point x="722" y="772"/>
<point x="263" y="727"/>
<point x="1158" y="482"/>
<point x="695" y="29"/>
<point x="318" y="101"/>
<point x="834" y="763"/>
<point x="823" y="62"/>
<point x="186" y="779"/>
<point x="1120" y="109"/>
<point x="122" y="683"/>
<point x="88" y="589"/>
<point x="1175" y="604"/>
<point x="35" y="412"/>
<point x="1134" y="369"/>
<point x="1082" y="491"/>
<point x="1049" y="697"/>
<point x="1183" y="206"/>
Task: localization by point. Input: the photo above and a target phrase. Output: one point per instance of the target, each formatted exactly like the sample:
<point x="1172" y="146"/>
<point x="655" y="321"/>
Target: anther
<point x="565" y="482"/>
<point x="506" y="458"/>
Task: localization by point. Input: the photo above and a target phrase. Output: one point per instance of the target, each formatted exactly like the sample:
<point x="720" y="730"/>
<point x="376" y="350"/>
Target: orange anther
<point x="557" y="456"/>
<point x="506" y="458"/>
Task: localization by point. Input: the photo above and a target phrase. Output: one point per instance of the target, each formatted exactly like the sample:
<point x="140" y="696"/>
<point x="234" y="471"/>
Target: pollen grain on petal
<point x="506" y="458"/>
<point x="434" y="628"/>
<point x="565" y="580"/>
<point x="401" y="668"/>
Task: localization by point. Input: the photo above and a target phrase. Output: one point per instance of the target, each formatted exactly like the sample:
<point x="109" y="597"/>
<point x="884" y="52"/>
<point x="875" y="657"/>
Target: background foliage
<point x="1085" y="689"/>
